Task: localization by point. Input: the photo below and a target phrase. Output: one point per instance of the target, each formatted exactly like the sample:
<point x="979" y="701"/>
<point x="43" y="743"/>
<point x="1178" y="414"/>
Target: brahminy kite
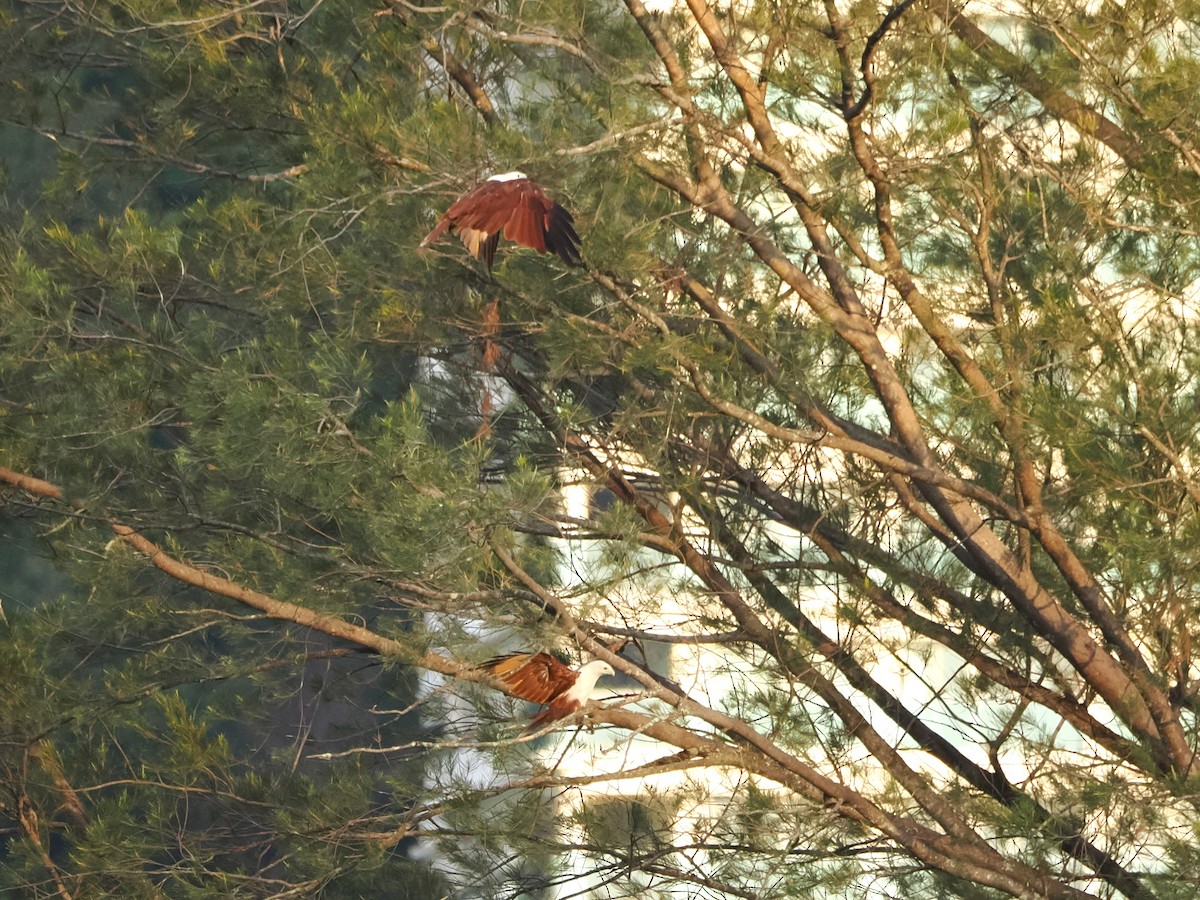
<point x="541" y="678"/>
<point x="515" y="206"/>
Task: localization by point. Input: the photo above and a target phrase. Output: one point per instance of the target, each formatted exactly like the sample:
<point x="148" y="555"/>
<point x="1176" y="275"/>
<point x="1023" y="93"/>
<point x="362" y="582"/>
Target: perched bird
<point x="515" y="206"/>
<point x="541" y="678"/>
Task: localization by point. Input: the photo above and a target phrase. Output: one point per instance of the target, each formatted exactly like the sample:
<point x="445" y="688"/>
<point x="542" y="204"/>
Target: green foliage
<point x="216" y="329"/>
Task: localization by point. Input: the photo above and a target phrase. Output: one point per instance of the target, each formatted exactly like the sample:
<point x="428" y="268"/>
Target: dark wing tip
<point x="561" y="237"/>
<point x="488" y="250"/>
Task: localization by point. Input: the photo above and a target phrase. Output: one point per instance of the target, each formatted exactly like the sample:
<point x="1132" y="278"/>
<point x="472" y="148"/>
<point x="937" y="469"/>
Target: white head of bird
<point x="584" y="684"/>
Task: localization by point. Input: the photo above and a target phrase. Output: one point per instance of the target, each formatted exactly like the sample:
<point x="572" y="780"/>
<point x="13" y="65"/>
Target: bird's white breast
<point x="581" y="690"/>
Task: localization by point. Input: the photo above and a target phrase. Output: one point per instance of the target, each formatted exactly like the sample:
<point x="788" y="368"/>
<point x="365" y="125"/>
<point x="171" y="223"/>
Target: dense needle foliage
<point x="868" y="433"/>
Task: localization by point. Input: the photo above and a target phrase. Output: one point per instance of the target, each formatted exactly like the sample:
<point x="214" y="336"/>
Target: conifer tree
<point x="862" y="445"/>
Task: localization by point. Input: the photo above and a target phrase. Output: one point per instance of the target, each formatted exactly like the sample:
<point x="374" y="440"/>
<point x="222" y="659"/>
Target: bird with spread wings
<point x="540" y="678"/>
<point x="516" y="207"/>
